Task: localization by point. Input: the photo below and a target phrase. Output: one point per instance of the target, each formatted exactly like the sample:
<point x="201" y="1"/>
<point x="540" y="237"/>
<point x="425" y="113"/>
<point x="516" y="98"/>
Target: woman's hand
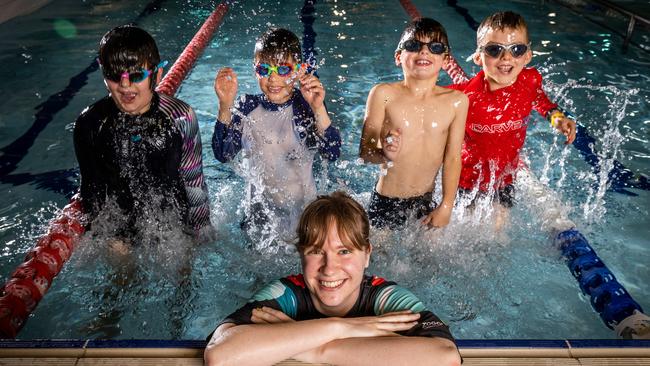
<point x="267" y="315"/>
<point x="378" y="326"/>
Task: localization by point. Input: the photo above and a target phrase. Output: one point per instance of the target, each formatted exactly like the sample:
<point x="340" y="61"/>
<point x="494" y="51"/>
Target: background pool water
<point x="484" y="283"/>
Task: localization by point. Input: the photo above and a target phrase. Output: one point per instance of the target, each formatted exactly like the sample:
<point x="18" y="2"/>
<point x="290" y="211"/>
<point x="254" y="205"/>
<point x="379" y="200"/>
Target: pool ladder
<point x="632" y="22"/>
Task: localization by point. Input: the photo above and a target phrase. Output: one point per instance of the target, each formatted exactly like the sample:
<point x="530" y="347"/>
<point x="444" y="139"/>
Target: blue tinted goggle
<point x="135" y="76"/>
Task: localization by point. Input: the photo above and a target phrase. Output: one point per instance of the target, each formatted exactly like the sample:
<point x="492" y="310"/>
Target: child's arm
<point x="377" y="351"/>
<point x="226" y="140"/>
<point x="275" y="338"/>
<point x="451" y="167"/>
<point x="328" y="136"/>
<point x="553" y="114"/>
<point x="191" y="171"/>
<point x="225" y="85"/>
<point x="314" y="94"/>
<point x="371" y="148"/>
<point x="562" y="123"/>
<point x="93" y="184"/>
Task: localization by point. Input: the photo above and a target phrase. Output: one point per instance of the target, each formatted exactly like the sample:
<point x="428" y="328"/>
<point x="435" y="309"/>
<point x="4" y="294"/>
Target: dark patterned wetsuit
<point x="376" y="297"/>
<point x="149" y="163"/>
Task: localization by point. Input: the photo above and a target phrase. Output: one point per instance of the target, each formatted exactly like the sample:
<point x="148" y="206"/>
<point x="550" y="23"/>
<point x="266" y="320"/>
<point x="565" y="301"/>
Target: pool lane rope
<point x="183" y="65"/>
<point x="608" y="297"/>
<point x="309" y="36"/>
<point x="28" y="284"/>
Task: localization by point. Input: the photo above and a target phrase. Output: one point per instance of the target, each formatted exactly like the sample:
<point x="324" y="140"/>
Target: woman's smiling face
<point x="333" y="273"/>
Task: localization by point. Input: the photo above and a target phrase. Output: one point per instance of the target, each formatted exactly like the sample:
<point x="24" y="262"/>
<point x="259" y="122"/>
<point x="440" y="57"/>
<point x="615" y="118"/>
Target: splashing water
<point x="604" y="127"/>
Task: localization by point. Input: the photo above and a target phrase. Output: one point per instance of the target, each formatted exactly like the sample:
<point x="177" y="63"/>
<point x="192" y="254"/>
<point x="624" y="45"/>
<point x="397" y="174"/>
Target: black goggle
<point x="413" y="45"/>
<point x="496" y="50"/>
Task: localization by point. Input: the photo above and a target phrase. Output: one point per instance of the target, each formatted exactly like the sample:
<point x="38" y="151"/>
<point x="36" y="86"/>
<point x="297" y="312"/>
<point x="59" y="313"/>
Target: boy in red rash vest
<point x="501" y="98"/>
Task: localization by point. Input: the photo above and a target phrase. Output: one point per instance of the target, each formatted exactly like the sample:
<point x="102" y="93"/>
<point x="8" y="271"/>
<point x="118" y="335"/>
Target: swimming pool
<point x="511" y="284"/>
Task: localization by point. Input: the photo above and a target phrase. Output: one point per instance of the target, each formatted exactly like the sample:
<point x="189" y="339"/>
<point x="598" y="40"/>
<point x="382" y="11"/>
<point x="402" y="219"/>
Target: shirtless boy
<point x="412" y="128"/>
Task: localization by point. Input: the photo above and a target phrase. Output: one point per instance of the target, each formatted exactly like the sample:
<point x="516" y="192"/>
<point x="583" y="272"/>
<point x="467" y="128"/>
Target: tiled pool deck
<point x="475" y="352"/>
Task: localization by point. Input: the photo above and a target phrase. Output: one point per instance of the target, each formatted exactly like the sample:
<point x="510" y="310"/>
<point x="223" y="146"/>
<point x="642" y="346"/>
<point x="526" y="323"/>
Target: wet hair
<point x="127" y="48"/>
<point x="501" y="20"/>
<point x="337" y="209"/>
<point x="423" y="28"/>
<point x="276" y="45"/>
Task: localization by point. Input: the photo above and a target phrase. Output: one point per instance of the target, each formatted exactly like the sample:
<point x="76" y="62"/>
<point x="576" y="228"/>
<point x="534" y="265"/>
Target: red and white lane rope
<point x="179" y="70"/>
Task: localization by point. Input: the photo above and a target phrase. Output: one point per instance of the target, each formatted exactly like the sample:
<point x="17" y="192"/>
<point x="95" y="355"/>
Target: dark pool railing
<point x="633" y="18"/>
<point x="27" y="285"/>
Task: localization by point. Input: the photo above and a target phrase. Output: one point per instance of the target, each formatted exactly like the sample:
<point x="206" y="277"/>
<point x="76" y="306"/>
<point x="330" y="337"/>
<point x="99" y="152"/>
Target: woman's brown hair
<point x="337" y="208"/>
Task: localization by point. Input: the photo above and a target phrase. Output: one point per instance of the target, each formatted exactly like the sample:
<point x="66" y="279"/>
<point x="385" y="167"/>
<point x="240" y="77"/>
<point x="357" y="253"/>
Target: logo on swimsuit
<point x="433" y="324"/>
<point x="501" y="127"/>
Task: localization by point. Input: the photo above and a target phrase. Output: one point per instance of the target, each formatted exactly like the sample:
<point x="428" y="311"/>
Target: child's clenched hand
<point x="312" y="89"/>
<point x="391" y="143"/>
<point x="567" y="127"/>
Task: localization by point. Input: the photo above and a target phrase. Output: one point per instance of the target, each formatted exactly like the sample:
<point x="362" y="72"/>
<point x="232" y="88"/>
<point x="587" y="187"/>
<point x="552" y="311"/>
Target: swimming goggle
<point x="495" y="50"/>
<point x="136" y="76"/>
<point x="413" y="45"/>
<point x="265" y="70"/>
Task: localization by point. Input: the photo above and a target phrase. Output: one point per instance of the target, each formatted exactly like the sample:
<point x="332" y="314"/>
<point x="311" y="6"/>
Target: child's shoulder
<point x="99" y="109"/>
<point x="386" y="88"/>
<point x="530" y="73"/>
<point x="171" y="102"/>
<point x="451" y="95"/>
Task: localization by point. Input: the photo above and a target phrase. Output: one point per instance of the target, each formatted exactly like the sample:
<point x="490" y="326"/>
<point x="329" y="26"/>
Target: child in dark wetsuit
<point x="139" y="149"/>
<point x="333" y="313"/>
<point x="278" y="131"/>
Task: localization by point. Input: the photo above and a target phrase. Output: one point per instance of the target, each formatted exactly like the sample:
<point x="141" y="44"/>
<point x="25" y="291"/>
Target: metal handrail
<point x="632" y="23"/>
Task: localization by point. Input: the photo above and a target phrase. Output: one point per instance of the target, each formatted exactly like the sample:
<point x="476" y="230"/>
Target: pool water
<point x="485" y="284"/>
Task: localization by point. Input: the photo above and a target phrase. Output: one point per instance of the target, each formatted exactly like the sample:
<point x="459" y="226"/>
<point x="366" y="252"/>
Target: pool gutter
<point x="469" y="349"/>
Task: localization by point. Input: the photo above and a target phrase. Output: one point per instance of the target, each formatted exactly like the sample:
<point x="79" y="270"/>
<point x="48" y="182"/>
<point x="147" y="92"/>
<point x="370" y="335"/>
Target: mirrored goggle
<point x="413" y="45"/>
<point x="135" y="76"/>
<point x="495" y="50"/>
<point x="265" y="70"/>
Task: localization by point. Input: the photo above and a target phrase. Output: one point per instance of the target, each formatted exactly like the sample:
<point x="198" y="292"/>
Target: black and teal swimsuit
<point x="148" y="163"/>
<point x="376" y="297"/>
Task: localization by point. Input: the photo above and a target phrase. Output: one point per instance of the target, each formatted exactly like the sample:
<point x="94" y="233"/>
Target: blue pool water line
<point x="309" y="35"/>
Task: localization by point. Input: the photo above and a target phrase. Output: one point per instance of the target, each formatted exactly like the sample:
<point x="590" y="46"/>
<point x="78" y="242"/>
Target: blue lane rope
<point x="620" y="177"/>
<point x="309" y="35"/>
<point x="607" y="296"/>
<point x="13" y="153"/>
